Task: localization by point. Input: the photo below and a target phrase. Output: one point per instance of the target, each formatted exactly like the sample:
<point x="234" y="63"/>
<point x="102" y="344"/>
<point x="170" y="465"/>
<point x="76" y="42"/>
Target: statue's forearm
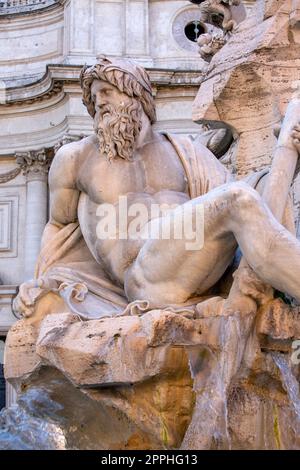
<point x="279" y="182"/>
<point x="284" y="162"/>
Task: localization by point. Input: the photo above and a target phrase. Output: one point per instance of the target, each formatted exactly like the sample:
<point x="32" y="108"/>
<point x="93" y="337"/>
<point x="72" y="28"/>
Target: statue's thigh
<point x="170" y="270"/>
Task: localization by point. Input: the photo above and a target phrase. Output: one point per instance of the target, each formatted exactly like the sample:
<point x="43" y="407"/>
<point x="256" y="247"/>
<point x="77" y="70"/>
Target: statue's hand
<point x="296" y="137"/>
<point x="29" y="293"/>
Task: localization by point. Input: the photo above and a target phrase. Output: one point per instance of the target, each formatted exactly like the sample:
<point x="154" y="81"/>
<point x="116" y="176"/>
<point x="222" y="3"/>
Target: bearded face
<point x="117" y="128"/>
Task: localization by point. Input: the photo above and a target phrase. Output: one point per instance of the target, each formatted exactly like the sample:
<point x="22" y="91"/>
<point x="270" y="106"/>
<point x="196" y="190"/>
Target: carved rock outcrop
<point x="142" y="382"/>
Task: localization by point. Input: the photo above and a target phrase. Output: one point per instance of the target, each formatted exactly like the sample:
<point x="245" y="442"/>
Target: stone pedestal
<point x="140" y="383"/>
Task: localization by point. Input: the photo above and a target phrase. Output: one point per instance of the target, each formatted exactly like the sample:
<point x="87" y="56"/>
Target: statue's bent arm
<point x="63" y="192"/>
<point x="63" y="210"/>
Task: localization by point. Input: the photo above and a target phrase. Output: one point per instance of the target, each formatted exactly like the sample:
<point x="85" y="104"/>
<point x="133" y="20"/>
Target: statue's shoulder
<point x="76" y="149"/>
<point x="67" y="162"/>
<point x="73" y="153"/>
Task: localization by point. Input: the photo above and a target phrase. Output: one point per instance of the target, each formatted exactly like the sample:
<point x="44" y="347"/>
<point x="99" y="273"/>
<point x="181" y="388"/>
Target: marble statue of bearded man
<point x="126" y="165"/>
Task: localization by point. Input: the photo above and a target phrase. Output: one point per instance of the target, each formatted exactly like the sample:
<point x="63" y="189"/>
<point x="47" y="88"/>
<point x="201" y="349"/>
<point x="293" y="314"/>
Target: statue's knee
<point x="243" y="196"/>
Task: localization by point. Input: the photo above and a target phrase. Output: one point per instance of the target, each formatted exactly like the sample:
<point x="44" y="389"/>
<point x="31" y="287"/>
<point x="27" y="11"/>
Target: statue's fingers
<point x="22" y="289"/>
<point x="24" y="296"/>
<point x="27" y="312"/>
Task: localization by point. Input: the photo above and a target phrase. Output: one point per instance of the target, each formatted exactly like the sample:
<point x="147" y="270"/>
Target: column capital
<point x="35" y="163"/>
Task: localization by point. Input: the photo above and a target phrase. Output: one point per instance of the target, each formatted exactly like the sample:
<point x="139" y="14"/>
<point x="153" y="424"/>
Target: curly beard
<point x="118" y="130"/>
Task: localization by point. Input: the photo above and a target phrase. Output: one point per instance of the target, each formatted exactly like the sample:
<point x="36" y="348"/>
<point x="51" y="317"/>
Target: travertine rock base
<point x="125" y="383"/>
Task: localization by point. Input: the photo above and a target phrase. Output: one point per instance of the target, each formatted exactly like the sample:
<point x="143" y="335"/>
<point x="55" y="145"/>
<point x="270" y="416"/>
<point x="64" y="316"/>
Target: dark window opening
<point x="193" y="30"/>
<point x="2" y="380"/>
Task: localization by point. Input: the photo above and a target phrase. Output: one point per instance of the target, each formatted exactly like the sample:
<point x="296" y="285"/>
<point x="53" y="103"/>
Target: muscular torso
<point x="155" y="175"/>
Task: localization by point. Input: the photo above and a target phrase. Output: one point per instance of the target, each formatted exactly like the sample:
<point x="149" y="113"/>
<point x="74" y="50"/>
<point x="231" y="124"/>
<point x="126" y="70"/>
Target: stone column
<point x="35" y="165"/>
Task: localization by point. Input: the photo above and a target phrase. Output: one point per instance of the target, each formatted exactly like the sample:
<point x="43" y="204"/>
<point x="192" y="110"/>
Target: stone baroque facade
<point x="44" y="44"/>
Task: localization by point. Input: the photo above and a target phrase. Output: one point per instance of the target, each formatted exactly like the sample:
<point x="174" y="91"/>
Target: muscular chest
<point x="105" y="181"/>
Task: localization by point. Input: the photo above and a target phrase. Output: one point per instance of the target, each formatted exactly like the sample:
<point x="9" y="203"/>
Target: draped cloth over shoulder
<point x="83" y="283"/>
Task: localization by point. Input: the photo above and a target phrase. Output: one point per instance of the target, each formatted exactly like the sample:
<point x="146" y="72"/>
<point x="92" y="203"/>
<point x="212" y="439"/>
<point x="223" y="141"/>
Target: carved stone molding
<point x="57" y="77"/>
<point x="9" y="175"/>
<point x="35" y="164"/>
<point x="9" y="208"/>
<point x="13" y="7"/>
<point x="55" y="89"/>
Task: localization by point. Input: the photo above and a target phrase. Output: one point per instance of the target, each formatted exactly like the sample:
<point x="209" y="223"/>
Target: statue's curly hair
<point x="124" y="80"/>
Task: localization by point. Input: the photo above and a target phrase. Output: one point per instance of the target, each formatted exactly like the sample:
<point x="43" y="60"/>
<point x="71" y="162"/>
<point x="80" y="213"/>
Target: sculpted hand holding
<point x="30" y="292"/>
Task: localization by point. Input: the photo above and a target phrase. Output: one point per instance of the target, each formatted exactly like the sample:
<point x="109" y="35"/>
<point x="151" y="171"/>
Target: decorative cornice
<point x="56" y="88"/>
<point x="35" y="164"/>
<point x="17" y="7"/>
<point x="9" y="175"/>
<point x="59" y="76"/>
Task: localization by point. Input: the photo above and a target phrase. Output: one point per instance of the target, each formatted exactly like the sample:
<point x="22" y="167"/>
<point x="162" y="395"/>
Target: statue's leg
<point x="166" y="272"/>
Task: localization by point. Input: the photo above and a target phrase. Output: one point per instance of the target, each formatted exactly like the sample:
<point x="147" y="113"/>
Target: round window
<point x="193" y="30"/>
<point x="187" y="28"/>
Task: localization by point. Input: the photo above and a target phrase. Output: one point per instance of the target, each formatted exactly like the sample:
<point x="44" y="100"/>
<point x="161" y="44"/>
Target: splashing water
<point x="290" y="383"/>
